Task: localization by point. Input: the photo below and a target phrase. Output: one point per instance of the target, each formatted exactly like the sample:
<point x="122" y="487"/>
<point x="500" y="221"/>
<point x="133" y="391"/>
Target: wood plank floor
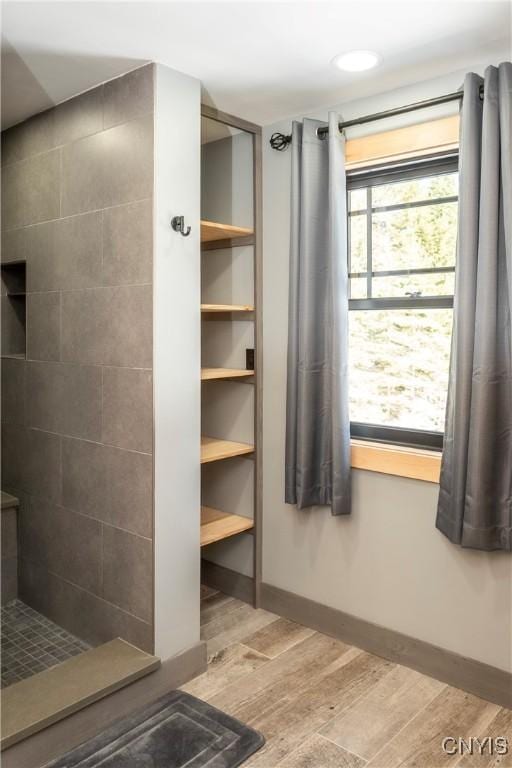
<point x="323" y="704"/>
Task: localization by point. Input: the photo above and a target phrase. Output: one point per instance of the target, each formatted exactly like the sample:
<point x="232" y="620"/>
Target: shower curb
<point x="59" y="738"/>
<point x="43" y="699"/>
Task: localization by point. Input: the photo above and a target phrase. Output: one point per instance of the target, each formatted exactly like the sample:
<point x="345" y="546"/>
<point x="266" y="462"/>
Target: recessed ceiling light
<point x="356" y="61"/>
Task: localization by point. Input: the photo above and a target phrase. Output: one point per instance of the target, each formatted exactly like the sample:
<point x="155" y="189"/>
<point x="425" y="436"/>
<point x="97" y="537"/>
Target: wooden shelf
<point x="211" y="374"/>
<point x="211" y="231"/>
<point x="217" y="525"/>
<point x="226" y="308"/>
<point x="215" y="449"/>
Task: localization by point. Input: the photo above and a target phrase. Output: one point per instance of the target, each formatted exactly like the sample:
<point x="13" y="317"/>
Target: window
<point x="402" y="238"/>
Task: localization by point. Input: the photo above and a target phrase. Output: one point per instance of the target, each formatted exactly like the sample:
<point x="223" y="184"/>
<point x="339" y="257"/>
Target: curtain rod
<point x="280" y="141"/>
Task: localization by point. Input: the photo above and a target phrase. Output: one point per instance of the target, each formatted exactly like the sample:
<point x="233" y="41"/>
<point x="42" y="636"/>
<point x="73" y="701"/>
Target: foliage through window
<point x="402" y="231"/>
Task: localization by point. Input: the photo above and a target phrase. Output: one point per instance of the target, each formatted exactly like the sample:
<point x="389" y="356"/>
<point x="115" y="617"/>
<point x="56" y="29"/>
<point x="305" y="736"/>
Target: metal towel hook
<point x="178" y="224"/>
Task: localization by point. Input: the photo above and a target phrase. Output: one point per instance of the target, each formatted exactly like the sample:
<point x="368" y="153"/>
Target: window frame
<point x="366" y="178"/>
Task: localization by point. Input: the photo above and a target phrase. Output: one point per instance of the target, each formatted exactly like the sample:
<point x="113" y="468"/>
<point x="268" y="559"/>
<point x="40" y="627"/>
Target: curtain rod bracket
<point x="280" y="142"/>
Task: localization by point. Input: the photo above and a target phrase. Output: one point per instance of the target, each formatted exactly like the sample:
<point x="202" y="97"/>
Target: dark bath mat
<point x="175" y="731"/>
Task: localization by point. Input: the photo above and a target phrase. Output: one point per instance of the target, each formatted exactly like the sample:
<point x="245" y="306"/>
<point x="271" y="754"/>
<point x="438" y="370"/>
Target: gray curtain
<point x="475" y="499"/>
<point x="317" y="420"/>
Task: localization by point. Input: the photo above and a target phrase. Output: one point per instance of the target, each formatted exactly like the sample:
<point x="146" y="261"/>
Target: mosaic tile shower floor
<point x="31" y="643"/>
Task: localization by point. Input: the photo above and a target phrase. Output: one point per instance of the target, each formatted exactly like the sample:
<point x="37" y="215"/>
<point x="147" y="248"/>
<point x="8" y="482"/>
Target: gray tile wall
<point x="77" y="423"/>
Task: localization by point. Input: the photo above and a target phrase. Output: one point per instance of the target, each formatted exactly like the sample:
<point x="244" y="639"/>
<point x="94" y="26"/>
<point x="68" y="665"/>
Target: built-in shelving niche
<point x="13" y="306"/>
<point x="229" y="247"/>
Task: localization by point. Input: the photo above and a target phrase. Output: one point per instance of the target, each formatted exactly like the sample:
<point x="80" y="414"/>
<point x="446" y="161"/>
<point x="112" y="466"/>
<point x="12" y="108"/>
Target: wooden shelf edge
<point x="214" y="308"/>
<point x="213" y="230"/>
<point x="215" y="374"/>
<point x="216" y="449"/>
<point x="217" y="525"/>
<point x="226" y="244"/>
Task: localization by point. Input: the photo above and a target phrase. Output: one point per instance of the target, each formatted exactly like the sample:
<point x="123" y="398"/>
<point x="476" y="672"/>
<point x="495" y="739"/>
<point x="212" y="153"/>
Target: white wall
<point x="176" y="362"/>
<point x="387" y="563"/>
<point x="226" y="180"/>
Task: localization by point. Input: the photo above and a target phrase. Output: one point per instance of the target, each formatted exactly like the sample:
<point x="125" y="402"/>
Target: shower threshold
<point x="45" y="698"/>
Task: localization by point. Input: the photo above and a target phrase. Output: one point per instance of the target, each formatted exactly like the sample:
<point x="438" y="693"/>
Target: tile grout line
<point x="57" y="147"/>
<point x="229" y="629"/>
<point x="72" y="216"/>
<point x="83" y="439"/>
<point x="102" y="414"/>
<point x="82" y="288"/>
<point x="340" y="746"/>
<point x="99" y="287"/>
<point x="92" y="594"/>
<point x="253" y="650"/>
<point x="323" y="674"/>
<point x="417" y="714"/>
<point x="293" y="644"/>
<point x="65" y="507"/>
<point x="227" y="684"/>
<point x="102" y="556"/>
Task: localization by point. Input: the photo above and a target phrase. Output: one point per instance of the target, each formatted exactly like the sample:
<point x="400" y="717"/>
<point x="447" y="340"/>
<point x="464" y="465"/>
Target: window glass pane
<point x="426" y="188"/>
<point x="357" y="226"/>
<point x="357" y="199"/>
<point x="440" y="284"/>
<point x="399" y="367"/>
<point x="358" y="288"/>
<point x="415" y="238"/>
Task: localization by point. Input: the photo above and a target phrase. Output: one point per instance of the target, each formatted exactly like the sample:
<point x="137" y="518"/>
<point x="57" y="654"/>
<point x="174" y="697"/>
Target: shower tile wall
<point x="77" y="431"/>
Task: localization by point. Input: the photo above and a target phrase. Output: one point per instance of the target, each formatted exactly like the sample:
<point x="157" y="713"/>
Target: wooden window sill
<point x="417" y="463"/>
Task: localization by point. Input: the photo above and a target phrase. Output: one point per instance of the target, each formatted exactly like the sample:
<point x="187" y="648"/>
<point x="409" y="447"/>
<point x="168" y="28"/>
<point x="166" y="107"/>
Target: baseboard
<point x="59" y="738"/>
<point x="473" y="676"/>
<point x="227" y="581"/>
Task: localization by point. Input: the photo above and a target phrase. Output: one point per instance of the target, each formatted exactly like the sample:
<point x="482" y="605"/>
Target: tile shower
<point x="77" y="432"/>
<point x="31" y="643"/>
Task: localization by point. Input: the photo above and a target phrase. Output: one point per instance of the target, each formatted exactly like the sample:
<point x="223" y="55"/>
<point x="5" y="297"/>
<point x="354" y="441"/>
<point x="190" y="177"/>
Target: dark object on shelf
<point x="249" y="359"/>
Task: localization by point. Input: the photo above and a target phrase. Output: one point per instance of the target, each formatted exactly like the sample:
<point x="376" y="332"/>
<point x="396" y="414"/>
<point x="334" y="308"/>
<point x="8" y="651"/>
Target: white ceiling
<point x="259" y="60"/>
